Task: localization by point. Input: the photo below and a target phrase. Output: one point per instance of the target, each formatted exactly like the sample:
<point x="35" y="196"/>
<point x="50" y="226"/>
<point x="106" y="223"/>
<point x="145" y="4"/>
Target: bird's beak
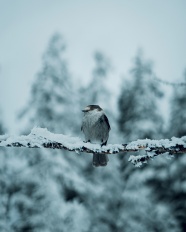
<point x="86" y="109"/>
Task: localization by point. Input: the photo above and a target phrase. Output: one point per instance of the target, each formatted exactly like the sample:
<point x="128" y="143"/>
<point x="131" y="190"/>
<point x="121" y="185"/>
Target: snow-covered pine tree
<point x="12" y="179"/>
<point x="3" y="193"/>
<point x="178" y="111"/>
<point x="56" y="175"/>
<point x="97" y="91"/>
<point x="2" y="127"/>
<point x="169" y="179"/>
<point x="52" y="91"/>
<point x="139" y="116"/>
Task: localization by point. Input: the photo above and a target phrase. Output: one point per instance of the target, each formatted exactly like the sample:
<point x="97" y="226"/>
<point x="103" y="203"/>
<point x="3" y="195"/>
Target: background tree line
<point x="50" y="190"/>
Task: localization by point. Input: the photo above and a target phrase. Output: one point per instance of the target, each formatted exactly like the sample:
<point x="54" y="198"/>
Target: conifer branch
<point x="42" y="138"/>
<point x="174" y="84"/>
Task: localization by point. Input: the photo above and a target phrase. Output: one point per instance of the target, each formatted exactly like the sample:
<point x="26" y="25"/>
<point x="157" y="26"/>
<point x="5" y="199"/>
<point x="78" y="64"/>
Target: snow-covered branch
<point x="42" y="138"/>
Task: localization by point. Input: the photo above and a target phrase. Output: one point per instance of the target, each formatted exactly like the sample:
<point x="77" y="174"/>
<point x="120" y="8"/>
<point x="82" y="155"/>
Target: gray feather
<point x="99" y="160"/>
<point x="96" y="127"/>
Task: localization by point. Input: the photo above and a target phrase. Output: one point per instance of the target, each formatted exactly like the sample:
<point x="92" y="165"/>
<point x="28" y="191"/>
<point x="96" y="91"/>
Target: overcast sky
<point x="116" y="27"/>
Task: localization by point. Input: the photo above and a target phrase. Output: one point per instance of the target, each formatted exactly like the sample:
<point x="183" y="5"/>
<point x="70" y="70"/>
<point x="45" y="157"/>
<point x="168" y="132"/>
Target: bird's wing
<point x="104" y="117"/>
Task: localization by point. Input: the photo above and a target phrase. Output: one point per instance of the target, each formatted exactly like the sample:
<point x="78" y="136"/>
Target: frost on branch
<point x="42" y="138"/>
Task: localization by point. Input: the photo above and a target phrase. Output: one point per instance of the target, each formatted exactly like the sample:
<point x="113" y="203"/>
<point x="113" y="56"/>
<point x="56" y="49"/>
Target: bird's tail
<point x="99" y="160"/>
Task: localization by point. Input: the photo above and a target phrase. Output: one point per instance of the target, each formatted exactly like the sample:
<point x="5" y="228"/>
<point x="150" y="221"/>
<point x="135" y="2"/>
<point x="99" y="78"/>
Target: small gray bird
<point x="96" y="127"/>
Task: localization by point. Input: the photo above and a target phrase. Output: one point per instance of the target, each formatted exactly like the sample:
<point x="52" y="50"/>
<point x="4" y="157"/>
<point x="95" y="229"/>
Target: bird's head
<point x="91" y="108"/>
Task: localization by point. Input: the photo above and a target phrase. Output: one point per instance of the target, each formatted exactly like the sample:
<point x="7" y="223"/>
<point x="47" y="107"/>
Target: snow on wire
<point x="42" y="138"/>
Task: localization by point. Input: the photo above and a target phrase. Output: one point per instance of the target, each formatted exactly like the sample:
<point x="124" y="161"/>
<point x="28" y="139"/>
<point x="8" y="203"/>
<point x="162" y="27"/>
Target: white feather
<point x="94" y="131"/>
<point x="91" y="117"/>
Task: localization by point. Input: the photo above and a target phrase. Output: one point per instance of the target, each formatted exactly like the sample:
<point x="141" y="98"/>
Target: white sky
<point x="116" y="27"/>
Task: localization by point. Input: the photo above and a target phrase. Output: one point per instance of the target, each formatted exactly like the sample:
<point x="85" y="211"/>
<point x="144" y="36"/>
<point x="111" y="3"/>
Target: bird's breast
<point x="91" y="119"/>
<point x="93" y="128"/>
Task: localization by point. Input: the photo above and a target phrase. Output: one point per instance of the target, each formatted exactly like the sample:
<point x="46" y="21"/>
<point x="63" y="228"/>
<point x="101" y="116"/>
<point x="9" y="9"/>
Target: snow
<point x="140" y="159"/>
<point x="40" y="136"/>
<point x="3" y="137"/>
<point x="166" y="143"/>
<point x="149" y="144"/>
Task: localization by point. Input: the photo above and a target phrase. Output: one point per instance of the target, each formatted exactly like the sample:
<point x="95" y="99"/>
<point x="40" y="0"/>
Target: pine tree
<point x="56" y="176"/>
<point x="97" y="91"/>
<point x="178" y="111"/>
<point x="2" y="127"/>
<point x="52" y="92"/>
<point x="168" y="181"/>
<point x="139" y="116"/>
<point x="3" y="205"/>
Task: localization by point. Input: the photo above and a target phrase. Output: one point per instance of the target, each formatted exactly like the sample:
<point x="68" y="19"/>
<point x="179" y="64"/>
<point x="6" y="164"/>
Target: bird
<point x="96" y="127"/>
